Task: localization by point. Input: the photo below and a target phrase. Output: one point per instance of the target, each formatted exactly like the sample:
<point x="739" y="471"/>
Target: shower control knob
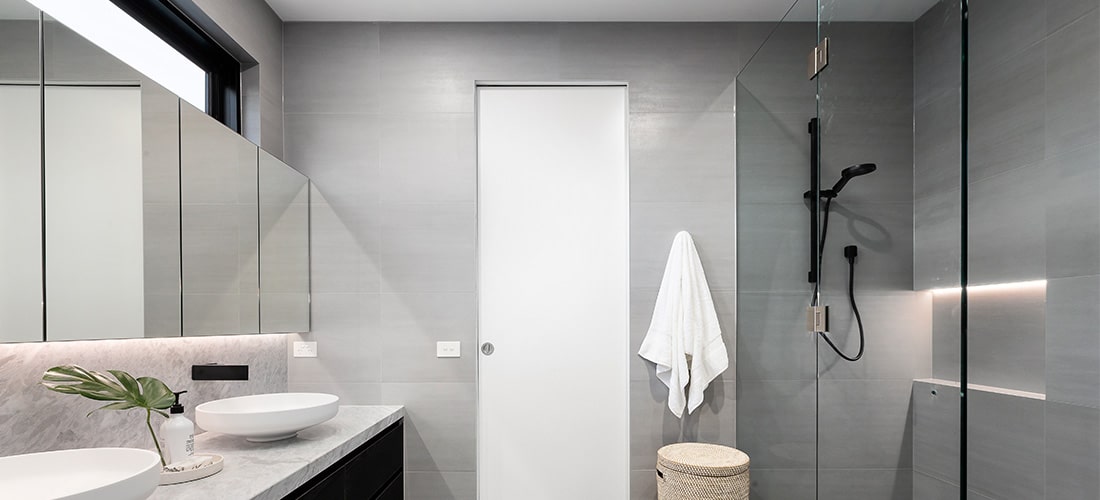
<point x="487" y="348"/>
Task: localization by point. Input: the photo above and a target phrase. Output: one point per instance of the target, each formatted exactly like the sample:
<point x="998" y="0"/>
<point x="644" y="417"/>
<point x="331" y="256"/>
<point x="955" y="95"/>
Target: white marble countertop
<point x="270" y="471"/>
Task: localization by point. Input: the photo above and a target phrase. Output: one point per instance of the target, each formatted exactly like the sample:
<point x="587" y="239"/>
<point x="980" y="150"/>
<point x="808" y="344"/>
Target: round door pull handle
<point x="487" y="348"/>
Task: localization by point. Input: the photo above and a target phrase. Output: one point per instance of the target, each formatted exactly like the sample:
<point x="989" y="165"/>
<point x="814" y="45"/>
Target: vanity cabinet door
<point x="395" y="491"/>
<point x="373" y="468"/>
<point x="371" y="472"/>
<point x="330" y="488"/>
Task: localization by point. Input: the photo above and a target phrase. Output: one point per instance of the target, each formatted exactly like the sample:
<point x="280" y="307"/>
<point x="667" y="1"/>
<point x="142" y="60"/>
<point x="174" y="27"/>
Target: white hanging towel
<point x="685" y="324"/>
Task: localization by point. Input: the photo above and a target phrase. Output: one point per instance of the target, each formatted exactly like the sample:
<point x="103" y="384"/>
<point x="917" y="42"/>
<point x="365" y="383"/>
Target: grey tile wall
<point x="1034" y="166"/>
<point x="1072" y="451"/>
<point x="1004" y="434"/>
<point x="799" y="405"/>
<point x="936" y="433"/>
<point x="381" y="117"/>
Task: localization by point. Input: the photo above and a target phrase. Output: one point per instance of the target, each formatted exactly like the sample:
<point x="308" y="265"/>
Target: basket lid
<point x="702" y="459"/>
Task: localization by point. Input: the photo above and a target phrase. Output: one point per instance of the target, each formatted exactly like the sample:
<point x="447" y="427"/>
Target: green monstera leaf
<point x="123" y="391"/>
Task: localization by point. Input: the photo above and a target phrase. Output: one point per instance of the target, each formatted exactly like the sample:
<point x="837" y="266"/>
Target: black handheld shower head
<point x="850" y="172"/>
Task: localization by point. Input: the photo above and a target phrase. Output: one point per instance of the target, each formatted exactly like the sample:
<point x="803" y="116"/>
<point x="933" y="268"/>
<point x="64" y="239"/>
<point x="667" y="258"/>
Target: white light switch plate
<point x="305" y="349"/>
<point x="448" y="349"/>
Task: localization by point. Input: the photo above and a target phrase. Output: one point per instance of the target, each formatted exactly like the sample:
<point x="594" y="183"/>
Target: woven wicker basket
<point x="699" y="471"/>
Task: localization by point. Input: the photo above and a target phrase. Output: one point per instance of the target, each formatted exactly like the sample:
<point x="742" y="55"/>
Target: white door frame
<point x="478" y="85"/>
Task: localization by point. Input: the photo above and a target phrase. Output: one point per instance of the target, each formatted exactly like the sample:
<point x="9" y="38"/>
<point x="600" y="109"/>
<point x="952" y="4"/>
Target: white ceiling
<point x="595" y="10"/>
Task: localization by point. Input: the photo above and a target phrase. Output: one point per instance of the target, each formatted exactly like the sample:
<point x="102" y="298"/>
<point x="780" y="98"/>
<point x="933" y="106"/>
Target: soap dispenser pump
<point x="178" y="433"/>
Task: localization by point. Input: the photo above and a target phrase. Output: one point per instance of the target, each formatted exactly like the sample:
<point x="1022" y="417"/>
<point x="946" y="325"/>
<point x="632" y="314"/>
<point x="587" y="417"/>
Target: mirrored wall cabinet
<point x="126" y="212"/>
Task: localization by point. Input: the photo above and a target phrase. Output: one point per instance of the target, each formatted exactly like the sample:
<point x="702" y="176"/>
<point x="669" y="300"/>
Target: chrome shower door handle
<point x="487" y="348"/>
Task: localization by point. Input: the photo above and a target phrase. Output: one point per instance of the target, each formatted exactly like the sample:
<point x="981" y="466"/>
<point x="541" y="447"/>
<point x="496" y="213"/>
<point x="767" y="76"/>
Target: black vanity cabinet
<point x="371" y="472"/>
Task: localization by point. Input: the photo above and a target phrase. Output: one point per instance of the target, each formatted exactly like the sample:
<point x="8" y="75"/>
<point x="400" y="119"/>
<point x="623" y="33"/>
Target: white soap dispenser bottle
<point x="178" y="433"/>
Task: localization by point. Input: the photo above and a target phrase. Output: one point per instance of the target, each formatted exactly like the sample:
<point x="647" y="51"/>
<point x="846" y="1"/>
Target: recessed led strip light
<point x="107" y="26"/>
<point x="1017" y="285"/>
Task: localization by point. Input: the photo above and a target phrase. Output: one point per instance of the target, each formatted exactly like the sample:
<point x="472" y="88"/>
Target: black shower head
<point x="850" y="172"/>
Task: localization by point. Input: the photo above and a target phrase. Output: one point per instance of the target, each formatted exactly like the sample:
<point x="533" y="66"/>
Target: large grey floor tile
<point x="654" y="225"/>
<point x="1073" y="86"/>
<point x="429" y="157"/>
<point x="428" y="247"/>
<point x="432" y="67"/>
<point x="331" y="67"/>
<point x="1072" y="452"/>
<point x="783" y="484"/>
<point x="936" y="430"/>
<point x="897" y="331"/>
<point x="1072" y="222"/>
<point x="1073" y="340"/>
<point x="412" y="324"/>
<point x="865" y="424"/>
<point x="772" y="341"/>
<point x="1003" y="434"/>
<point x="685" y="157"/>
<point x="441" y="485"/>
<point x="653" y="58"/>
<point x="880" y="484"/>
<point x="776" y="422"/>
<point x="1005" y="333"/>
<point x="440" y="426"/>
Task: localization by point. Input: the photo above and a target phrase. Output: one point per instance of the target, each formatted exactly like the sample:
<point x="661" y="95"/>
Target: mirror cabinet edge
<point x="43" y="333"/>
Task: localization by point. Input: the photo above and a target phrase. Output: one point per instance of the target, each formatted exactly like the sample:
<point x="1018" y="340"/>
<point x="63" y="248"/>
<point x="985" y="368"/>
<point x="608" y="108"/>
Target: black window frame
<point x="223" y="70"/>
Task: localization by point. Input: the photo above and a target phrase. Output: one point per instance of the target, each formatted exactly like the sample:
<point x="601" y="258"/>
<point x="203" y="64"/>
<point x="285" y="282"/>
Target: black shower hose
<point x="851" y="292"/>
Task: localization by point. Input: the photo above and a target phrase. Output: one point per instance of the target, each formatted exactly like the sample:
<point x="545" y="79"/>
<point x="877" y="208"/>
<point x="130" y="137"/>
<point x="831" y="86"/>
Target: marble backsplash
<point x="34" y="419"/>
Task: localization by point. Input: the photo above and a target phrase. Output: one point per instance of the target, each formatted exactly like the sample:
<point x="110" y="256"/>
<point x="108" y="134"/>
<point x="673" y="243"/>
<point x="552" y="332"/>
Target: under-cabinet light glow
<point x="107" y="26"/>
<point x="1018" y="285"/>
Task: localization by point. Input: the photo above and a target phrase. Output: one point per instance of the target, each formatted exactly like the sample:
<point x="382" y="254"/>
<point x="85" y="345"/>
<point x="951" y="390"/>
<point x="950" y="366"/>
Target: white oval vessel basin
<point x="267" y="417"/>
<point x="82" y="474"/>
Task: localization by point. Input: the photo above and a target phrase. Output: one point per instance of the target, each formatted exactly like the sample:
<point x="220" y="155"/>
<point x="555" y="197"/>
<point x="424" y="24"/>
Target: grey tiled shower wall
<point x="1034" y="214"/>
<point x="815" y="425"/>
<point x="382" y="119"/>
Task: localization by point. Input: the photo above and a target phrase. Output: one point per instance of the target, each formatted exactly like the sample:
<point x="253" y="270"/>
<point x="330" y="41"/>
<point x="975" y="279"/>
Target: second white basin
<point x="81" y="474"/>
<point x="267" y="417"/>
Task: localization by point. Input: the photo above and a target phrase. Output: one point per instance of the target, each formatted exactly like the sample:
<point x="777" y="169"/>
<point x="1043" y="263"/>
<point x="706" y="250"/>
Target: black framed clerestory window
<point x="223" y="71"/>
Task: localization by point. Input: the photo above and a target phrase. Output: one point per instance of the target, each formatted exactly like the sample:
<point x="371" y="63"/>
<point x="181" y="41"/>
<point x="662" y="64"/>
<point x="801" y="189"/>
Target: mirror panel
<point x="220" y="228"/>
<point x="159" y="221"/>
<point x="112" y="195"/>
<point x="284" y="247"/>
<point x="20" y="174"/>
